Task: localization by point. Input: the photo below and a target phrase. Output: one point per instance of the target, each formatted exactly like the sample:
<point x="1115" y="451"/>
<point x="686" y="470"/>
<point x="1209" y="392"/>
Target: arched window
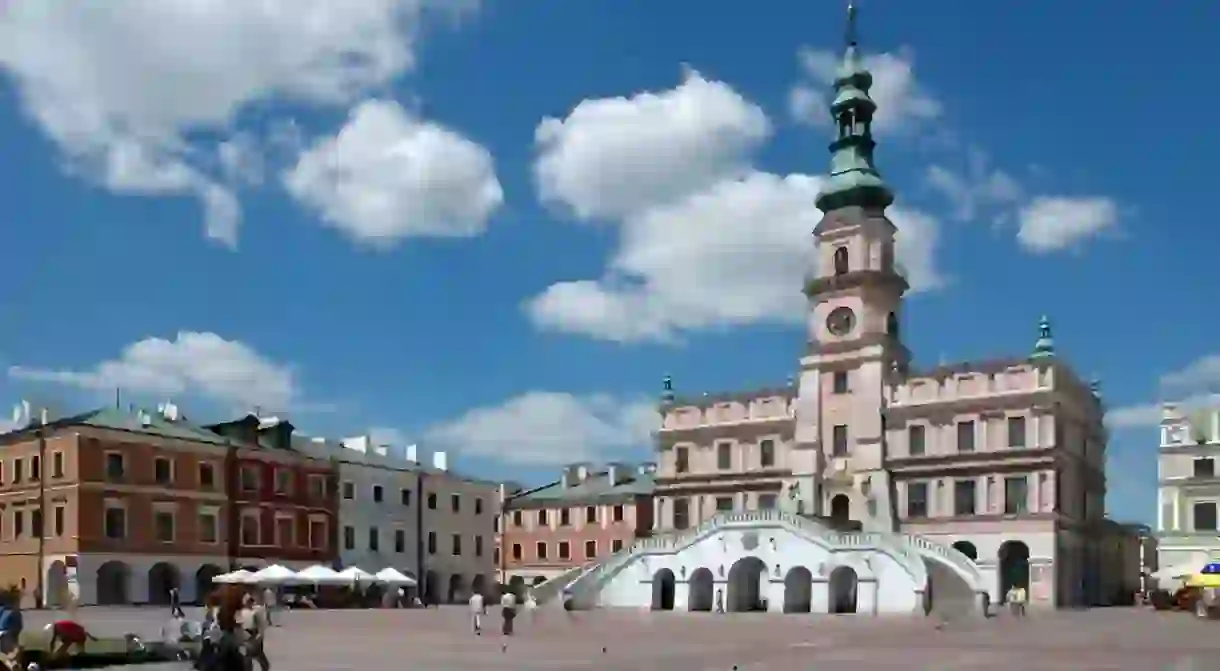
<point x="840" y="260"/>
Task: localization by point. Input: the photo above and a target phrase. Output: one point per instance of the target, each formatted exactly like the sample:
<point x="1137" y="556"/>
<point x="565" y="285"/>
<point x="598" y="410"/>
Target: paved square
<point x="436" y="639"/>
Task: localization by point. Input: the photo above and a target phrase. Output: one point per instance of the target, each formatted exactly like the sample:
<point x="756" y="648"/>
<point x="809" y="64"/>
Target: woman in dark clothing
<point x="226" y="652"/>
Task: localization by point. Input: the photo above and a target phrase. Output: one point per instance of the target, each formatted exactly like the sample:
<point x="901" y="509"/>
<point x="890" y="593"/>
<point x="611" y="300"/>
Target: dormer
<point x="1175" y="428"/>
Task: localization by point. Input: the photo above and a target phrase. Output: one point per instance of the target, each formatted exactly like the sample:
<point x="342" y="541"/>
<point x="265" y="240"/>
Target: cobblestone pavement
<point x="1116" y="639"/>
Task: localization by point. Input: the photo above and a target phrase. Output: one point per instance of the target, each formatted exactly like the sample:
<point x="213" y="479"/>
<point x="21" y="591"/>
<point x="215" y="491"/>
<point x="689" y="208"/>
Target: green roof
<point x="595" y="487"/>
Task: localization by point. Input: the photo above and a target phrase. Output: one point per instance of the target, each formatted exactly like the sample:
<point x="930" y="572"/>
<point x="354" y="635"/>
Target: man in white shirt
<point x="476" y="613"/>
<point x="508" y="611"/>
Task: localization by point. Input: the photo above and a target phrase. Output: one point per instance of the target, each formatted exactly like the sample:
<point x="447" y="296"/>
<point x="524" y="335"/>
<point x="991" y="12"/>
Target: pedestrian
<point x="1019" y="598"/>
<point x="253" y="621"/>
<point x="270" y="603"/>
<point x="226" y="653"/>
<point x="66" y="634"/>
<point x="175" y="602"/>
<point x="531" y="607"/>
<point x="720" y="601"/>
<point x="11" y="625"/>
<point x="477" y="610"/>
<point x="508" y="612"/>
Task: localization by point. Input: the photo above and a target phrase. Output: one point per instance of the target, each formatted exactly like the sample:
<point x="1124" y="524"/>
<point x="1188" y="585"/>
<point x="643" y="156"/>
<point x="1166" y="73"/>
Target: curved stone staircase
<point x="585" y="582"/>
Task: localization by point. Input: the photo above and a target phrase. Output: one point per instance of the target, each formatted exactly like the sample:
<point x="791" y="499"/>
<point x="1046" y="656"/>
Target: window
<point x="495" y="557"/>
<point x="1016" y="497"/>
<point x="163" y="471"/>
<point x="724" y="504"/>
<point x="318" y="532"/>
<point x="766" y="501"/>
<point x="249" y="478"/>
<point x="478" y="546"/>
<point x="115" y="522"/>
<point x="616" y="545"/>
<point x="1205" y="468"/>
<point x="766" y="454"/>
<point x="565" y="517"/>
<point x="917" y="499"/>
<point x="57" y="464"/>
<point x="541" y="550"/>
<point x="564" y="551"/>
<point x="478" y="506"/>
<point x="591" y="515"/>
<point x="724" y="456"/>
<point x="916" y="437"/>
<point x="36" y="523"/>
<point x="839" y="440"/>
<point x="518" y="518"/>
<point x="163" y="525"/>
<point x="839" y="382"/>
<point x="374" y="540"/>
<point x="431" y="542"/>
<point x="57" y="520"/>
<point x="618" y="513"/>
<point x="207" y="476"/>
<point x="249" y="529"/>
<point x="432" y="502"/>
<point x="317" y="486"/>
<point x="455" y="502"/>
<point x="19" y="523"/>
<point x="35" y="468"/>
<point x="516" y="552"/>
<point x="400" y="541"/>
<point x="542" y="521"/>
<point x="841" y="261"/>
<point x="208" y="523"/>
<point x="349" y="538"/>
<point x="378" y="493"/>
<point x="404" y="497"/>
<point x="17" y="470"/>
<point x="965" y="436"/>
<point x="283" y="481"/>
<point x="590" y="549"/>
<point x="349" y="491"/>
<point x="964" y="497"/>
<point x="681" y="465"/>
<point x="1016" y="432"/>
<point x="681" y="513"/>
<point x="1205" y="515"/>
<point x="285" y="531"/>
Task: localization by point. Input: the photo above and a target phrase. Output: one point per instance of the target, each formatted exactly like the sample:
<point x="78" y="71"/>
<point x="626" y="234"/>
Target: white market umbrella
<point x="1171" y="573"/>
<point x="274" y="575"/>
<point x="392" y="576"/>
<point x="355" y="573"/>
<point x="320" y="575"/>
<point x="239" y="577"/>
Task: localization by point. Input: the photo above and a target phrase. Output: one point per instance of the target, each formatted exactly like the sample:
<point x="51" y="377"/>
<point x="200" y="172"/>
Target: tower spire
<point x="854" y="180"/>
<point x="1045" y="347"/>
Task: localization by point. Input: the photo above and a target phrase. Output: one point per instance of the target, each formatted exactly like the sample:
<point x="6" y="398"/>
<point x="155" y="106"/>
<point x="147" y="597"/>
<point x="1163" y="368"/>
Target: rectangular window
<point x="285" y="532"/>
<point x="163" y="523"/>
<point x="378" y="493"/>
<point x="249" y="529"/>
<point x="35" y="468"/>
<point x="681" y="465"/>
<point x="431" y="501"/>
<point x="964" y="497"/>
<point x="404" y="497"/>
<point x="839" y="385"/>
<point x="455" y="502"/>
<point x="1016" y="495"/>
<point x="207" y="527"/>
<point x="249" y="478"/>
<point x="564" y="550"/>
<point x="1016" y="432"/>
<point x="495" y="557"/>
<point x="431" y="542"/>
<point x="724" y="456"/>
<point x="916" y="440"/>
<point x="374" y="539"/>
<point x="318" y="531"/>
<point x="516" y="552"/>
<point x="57" y="464"/>
<point x="590" y="549"/>
<point x="1205" y="516"/>
<point x="478" y="506"/>
<point x="681" y="513"/>
<point x="518" y="518"/>
<point x="400" y="541"/>
<point x="616" y="545"/>
<point x="591" y="515"/>
<point x="116" y="522"/>
<point x="58" y="520"/>
<point x="457" y="545"/>
<point x="542" y="520"/>
<point x="839" y="440"/>
<point x="917" y="499"/>
<point x="349" y="491"/>
<point x="766" y="501"/>
<point x="724" y="504"/>
<point x="766" y="454"/>
<point x="565" y="517"/>
<point x="619" y="513"/>
<point x="478" y="546"/>
<point x="18" y="470"/>
<point x="965" y="436"/>
<point x="317" y="486"/>
<point x="541" y="550"/>
<point x="283" y="481"/>
<point x="163" y="471"/>
<point x="1204" y="468"/>
<point x="19" y="524"/>
<point x="349" y="538"/>
<point x="207" y="476"/>
<point x="36" y="523"/>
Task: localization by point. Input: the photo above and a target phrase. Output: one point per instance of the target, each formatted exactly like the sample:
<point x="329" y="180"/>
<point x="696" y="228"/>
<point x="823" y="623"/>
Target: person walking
<point x="720" y="601"/>
<point x="477" y="610"/>
<point x="253" y="621"/>
<point x="11" y="625"/>
<point x="508" y="612"/>
<point x="175" y="602"/>
<point x="270" y="603"/>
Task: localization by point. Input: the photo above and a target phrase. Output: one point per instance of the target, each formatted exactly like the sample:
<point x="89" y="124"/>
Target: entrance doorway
<point x="701" y="590"/>
<point x="663" y="584"/>
<point x="1014" y="567"/>
<point x="798" y="590"/>
<point x="745" y="586"/>
<point x="844" y="585"/>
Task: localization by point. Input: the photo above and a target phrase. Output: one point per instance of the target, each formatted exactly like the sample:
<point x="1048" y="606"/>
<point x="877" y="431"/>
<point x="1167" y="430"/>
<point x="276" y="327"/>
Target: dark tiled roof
<point x="594" y="487"/>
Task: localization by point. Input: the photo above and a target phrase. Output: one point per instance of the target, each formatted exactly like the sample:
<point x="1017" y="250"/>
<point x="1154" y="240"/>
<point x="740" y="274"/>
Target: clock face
<point x="841" y="321"/>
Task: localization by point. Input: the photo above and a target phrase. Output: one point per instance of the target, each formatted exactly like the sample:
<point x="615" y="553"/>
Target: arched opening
<point x="745" y="586"/>
<point x="843" y="589"/>
<point x="840" y="509"/>
<point x="967" y="548"/>
<point x="663" y="583"/>
<point x="701" y="591"/>
<point x="891" y="324"/>
<point x="57" y="585"/>
<point x="162" y="577"/>
<point x="113" y="583"/>
<point x="479" y="585"/>
<point x="456" y="586"/>
<point x="798" y="590"/>
<point x="1014" y="567"/>
<point x="538" y="580"/>
<point x="516" y="585"/>
<point x="432" y="587"/>
<point x="841" y="261"/>
<point x="203" y="581"/>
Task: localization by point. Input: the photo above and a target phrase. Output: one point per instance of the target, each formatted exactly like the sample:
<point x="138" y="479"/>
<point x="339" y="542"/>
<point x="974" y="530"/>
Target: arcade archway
<point x="663" y="585"/>
<point x="1013" y="567"/>
<point x="745" y="585"/>
<point x="844" y="588"/>
<point x="967" y="548"/>
<point x="113" y="584"/>
<point x="162" y="577"/>
<point x="701" y="590"/>
<point x="798" y="590"/>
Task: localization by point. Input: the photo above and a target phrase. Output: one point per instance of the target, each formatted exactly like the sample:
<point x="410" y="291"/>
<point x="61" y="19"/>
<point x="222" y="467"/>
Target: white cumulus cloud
<point x="1055" y="223"/>
<point x="1193" y="386"/>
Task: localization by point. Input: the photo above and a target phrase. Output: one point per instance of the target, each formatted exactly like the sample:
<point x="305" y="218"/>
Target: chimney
<point x="646" y="468"/>
<point x="440" y="461"/>
<point x="379" y="449"/>
<point x="413" y="453"/>
<point x="574" y="474"/>
<point x="618" y="473"/>
<point x="358" y="443"/>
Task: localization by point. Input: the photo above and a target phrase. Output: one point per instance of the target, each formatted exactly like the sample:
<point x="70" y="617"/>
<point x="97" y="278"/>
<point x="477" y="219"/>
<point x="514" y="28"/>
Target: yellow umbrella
<point x="1204" y="580"/>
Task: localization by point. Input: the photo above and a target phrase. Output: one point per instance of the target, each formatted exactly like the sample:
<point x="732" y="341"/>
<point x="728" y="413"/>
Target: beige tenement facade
<point x="1189" y="489"/>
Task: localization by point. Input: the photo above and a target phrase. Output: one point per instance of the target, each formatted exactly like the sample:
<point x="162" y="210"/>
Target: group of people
<point x="234" y="630"/>
<point x="508" y="611"/>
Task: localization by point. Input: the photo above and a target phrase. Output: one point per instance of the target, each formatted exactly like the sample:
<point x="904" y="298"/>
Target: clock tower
<point x="855" y="302"/>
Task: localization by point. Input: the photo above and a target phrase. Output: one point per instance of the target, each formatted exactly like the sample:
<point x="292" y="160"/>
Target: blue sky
<point x="492" y="227"/>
